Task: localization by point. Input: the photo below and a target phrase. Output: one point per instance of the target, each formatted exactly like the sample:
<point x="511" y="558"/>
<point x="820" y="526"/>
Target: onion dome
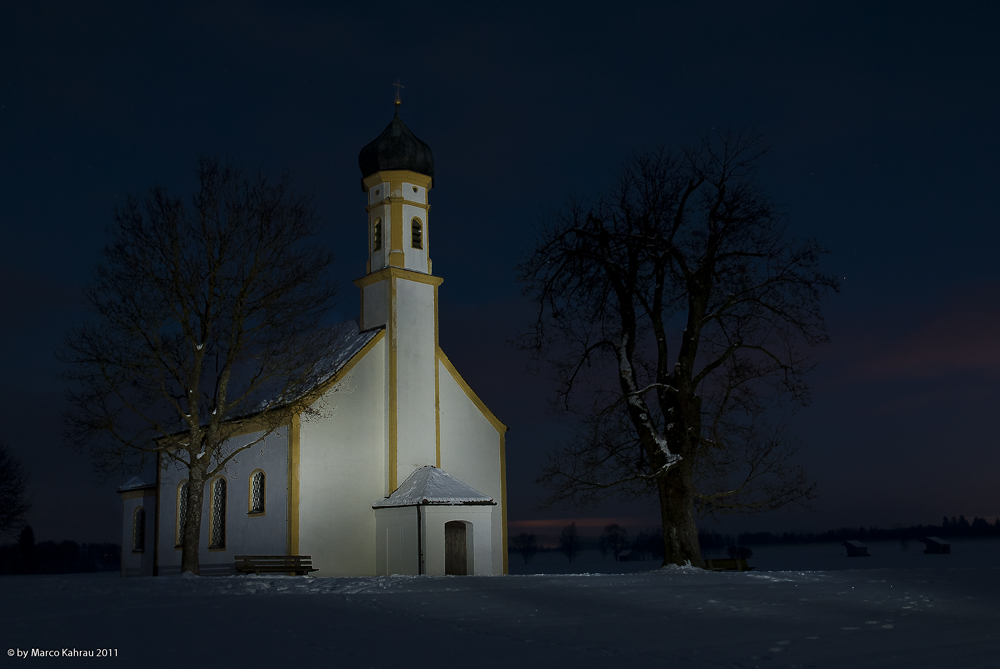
<point x="397" y="148"/>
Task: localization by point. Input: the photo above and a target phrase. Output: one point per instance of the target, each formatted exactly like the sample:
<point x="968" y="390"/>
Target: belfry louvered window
<point x="218" y="514"/>
<point x="377" y="235"/>
<point x="257" y="493"/>
<point x="417" y="239"/>
<point x="182" y="508"/>
<point x="139" y="530"/>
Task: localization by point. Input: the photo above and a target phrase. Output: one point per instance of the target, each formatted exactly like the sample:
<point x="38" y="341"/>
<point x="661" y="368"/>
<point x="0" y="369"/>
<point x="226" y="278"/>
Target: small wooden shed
<point x="856" y="549"/>
<point x="936" y="546"/>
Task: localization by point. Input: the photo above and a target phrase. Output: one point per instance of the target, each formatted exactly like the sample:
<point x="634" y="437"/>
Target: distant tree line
<point x="949" y="528"/>
<point x="649" y="545"/>
<point x="614" y="541"/>
<point x="50" y="557"/>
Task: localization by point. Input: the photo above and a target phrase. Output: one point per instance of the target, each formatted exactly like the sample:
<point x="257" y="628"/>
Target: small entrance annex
<point x="434" y="524"/>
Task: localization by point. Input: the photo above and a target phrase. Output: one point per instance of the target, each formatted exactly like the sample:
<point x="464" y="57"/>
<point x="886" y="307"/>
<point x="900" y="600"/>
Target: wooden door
<point x="455" y="553"/>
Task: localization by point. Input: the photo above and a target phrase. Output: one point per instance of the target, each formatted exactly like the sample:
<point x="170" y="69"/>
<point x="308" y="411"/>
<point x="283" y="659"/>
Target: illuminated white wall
<point x="342" y="471"/>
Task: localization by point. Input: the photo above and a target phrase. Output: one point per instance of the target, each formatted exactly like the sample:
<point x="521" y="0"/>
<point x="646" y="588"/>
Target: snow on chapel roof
<point x="135" y="483"/>
<point x="348" y="342"/>
<point x="430" y="485"/>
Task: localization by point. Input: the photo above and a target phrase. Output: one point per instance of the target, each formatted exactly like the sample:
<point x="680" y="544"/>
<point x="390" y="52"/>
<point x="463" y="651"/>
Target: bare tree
<point x="208" y="320"/>
<point x="677" y="313"/>
<point x="13" y="496"/>
<point x="525" y="544"/>
<point x="614" y="539"/>
<point x="569" y="542"/>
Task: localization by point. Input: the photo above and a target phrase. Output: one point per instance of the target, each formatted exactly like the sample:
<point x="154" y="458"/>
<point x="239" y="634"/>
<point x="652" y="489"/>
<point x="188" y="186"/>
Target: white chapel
<point x="402" y="473"/>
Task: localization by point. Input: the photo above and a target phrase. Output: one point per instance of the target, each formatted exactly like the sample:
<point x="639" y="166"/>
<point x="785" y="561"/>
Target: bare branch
<point x="681" y="280"/>
<point x="202" y="313"/>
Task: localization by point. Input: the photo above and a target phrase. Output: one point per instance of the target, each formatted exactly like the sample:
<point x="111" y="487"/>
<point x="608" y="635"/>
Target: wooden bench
<point x="299" y="565"/>
<point x="727" y="564"/>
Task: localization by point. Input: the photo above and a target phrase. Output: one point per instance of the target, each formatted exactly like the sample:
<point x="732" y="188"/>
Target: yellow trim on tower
<point x="397" y="273"/>
<point x="427" y="241"/>
<point x="494" y="421"/>
<point x="294" y="438"/>
<point x="503" y="501"/>
<point x="389" y="200"/>
<point x="396" y="179"/>
<point x="396" y="226"/>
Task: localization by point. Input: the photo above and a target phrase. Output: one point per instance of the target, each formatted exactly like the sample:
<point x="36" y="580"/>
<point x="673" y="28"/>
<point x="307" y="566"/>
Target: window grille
<point x="218" y="514"/>
<point x="182" y="507"/>
<point x="139" y="530"/>
<point x="257" y="493"/>
<point x="377" y="235"/>
<point x="417" y="240"/>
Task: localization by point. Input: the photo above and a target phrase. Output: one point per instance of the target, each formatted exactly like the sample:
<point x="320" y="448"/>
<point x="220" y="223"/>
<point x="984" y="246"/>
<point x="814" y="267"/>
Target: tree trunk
<point x="680" y="532"/>
<point x="191" y="541"/>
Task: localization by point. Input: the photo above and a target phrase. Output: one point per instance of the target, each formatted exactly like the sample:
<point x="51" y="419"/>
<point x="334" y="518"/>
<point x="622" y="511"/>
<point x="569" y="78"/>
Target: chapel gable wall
<point x="471" y="451"/>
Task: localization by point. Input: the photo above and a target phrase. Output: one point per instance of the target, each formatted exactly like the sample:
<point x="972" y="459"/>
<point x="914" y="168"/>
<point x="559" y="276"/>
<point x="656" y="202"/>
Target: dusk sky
<point x="882" y="118"/>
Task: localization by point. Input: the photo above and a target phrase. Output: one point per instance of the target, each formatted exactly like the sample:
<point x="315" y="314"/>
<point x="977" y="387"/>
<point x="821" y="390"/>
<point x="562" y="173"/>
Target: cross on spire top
<point x="398" y="86"/>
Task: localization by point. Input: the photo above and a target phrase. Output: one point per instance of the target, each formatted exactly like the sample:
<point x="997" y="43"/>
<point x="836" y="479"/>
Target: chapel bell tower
<point x="399" y="293"/>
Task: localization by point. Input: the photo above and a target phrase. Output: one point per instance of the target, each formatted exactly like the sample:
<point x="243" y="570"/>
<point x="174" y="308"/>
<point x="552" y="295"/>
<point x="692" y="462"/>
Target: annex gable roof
<point x="432" y="486"/>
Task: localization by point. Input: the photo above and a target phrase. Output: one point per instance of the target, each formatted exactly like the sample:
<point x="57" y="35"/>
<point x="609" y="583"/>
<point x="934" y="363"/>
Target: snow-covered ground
<point x="934" y="617"/>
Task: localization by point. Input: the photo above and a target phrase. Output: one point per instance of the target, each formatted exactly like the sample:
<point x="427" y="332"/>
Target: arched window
<point x="138" y="530"/>
<point x="257" y="492"/>
<point x="218" y="514"/>
<point x="417" y="240"/>
<point x="377" y="235"/>
<point x="182" y="508"/>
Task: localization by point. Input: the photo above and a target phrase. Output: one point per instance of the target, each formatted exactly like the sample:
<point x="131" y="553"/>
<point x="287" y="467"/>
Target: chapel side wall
<point x="470" y="451"/>
<point x="246" y="534"/>
<point x="341" y="471"/>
